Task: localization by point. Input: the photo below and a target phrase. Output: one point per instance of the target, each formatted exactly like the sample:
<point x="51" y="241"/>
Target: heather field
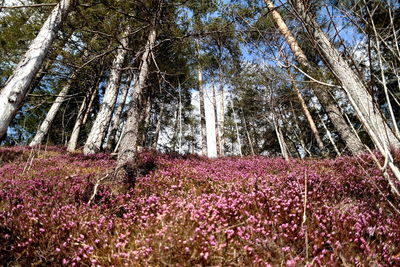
<point x="192" y="211"/>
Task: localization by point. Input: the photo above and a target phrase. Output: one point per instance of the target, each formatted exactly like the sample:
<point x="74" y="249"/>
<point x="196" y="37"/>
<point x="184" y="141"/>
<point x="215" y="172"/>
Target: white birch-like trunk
<point x="51" y="114"/>
<point x="204" y="150"/>
<point x="237" y="130"/>
<point x="127" y="151"/>
<point x="158" y="126"/>
<point x="222" y="114"/>
<point x="15" y="89"/>
<point x="281" y="140"/>
<point x="83" y="114"/>
<point x="216" y="115"/>
<point x="103" y="118"/>
<point x="115" y="123"/>
<point x="309" y="118"/>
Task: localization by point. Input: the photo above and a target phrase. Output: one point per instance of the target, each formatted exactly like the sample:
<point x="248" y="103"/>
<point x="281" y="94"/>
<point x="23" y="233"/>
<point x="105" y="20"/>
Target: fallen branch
<point x="95" y="188"/>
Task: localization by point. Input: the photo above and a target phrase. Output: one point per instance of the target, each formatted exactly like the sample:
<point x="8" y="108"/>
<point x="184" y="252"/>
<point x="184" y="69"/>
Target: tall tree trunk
<point x="83" y="114"/>
<point x="17" y="86"/>
<point x="145" y="119"/>
<point x="309" y="118"/>
<point x="217" y="130"/>
<point x="127" y="151"/>
<point x="176" y="131"/>
<point x="280" y="137"/>
<point x="115" y="123"/>
<point x="353" y="143"/>
<point x="248" y="135"/>
<point x="158" y="126"/>
<point x="51" y="114"/>
<point x="237" y="130"/>
<point x="204" y="150"/>
<point x="300" y="136"/>
<point x="359" y="97"/>
<point x="100" y="126"/>
<point x="222" y="114"/>
<point x="328" y="133"/>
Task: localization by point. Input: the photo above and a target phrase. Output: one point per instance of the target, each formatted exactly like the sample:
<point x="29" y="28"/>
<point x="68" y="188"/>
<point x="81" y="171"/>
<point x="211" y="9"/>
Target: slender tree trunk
<point x="353" y="143"/>
<point x="175" y="130"/>
<point x="328" y="133"/>
<point x="127" y="151"/>
<point x="204" y="150"/>
<point x="359" y="97"/>
<point x="300" y="137"/>
<point x="158" y="126"/>
<point x="115" y="123"/>
<point x="237" y="130"/>
<point x="222" y="114"/>
<point x="51" y="114"/>
<point x="145" y="119"/>
<point x="180" y="119"/>
<point x="309" y="118"/>
<point x="83" y="114"/>
<point x="280" y="137"/>
<point x="217" y="130"/>
<point x="100" y="126"/>
<point x="17" y="86"/>
<point x="248" y="135"/>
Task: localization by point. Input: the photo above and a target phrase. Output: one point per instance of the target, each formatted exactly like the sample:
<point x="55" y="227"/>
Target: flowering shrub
<point x="194" y="211"/>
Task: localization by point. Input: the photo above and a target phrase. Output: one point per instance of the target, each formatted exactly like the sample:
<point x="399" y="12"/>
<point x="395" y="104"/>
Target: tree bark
<point x="51" y="114"/>
<point x="127" y="151"/>
<point x="217" y="130"/>
<point x="145" y="119"/>
<point x="237" y="130"/>
<point x="17" y="86"/>
<point x="280" y="137"/>
<point x="359" y="97"/>
<point x="100" y="126"/>
<point x="222" y="114"/>
<point x="248" y="134"/>
<point x="115" y="123"/>
<point x="352" y="141"/>
<point x="309" y="118"/>
<point x="158" y="126"/>
<point x="83" y="114"/>
<point x="204" y="150"/>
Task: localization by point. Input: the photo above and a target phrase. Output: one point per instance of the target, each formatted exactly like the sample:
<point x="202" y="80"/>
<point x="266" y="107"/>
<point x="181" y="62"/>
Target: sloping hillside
<point x="191" y="211"/>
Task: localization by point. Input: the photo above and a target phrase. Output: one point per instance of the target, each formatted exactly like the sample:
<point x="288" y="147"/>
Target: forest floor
<point x="189" y="211"/>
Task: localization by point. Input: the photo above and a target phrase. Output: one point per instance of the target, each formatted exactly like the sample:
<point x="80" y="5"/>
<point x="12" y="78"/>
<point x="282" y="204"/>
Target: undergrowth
<point x="188" y="211"/>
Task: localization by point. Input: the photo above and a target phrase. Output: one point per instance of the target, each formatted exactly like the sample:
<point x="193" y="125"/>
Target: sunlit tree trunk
<point x="115" y="123"/>
<point x="237" y="130"/>
<point x="353" y="143"/>
<point x="127" y="151"/>
<point x="203" y="125"/>
<point x="217" y="129"/>
<point x="100" y="126"/>
<point x="281" y="139"/>
<point x="248" y="134"/>
<point x="145" y="119"/>
<point x="51" y="114"/>
<point x="83" y="114"/>
<point x="307" y="113"/>
<point x="17" y="86"/>
<point x="222" y="113"/>
<point x="158" y="126"/>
